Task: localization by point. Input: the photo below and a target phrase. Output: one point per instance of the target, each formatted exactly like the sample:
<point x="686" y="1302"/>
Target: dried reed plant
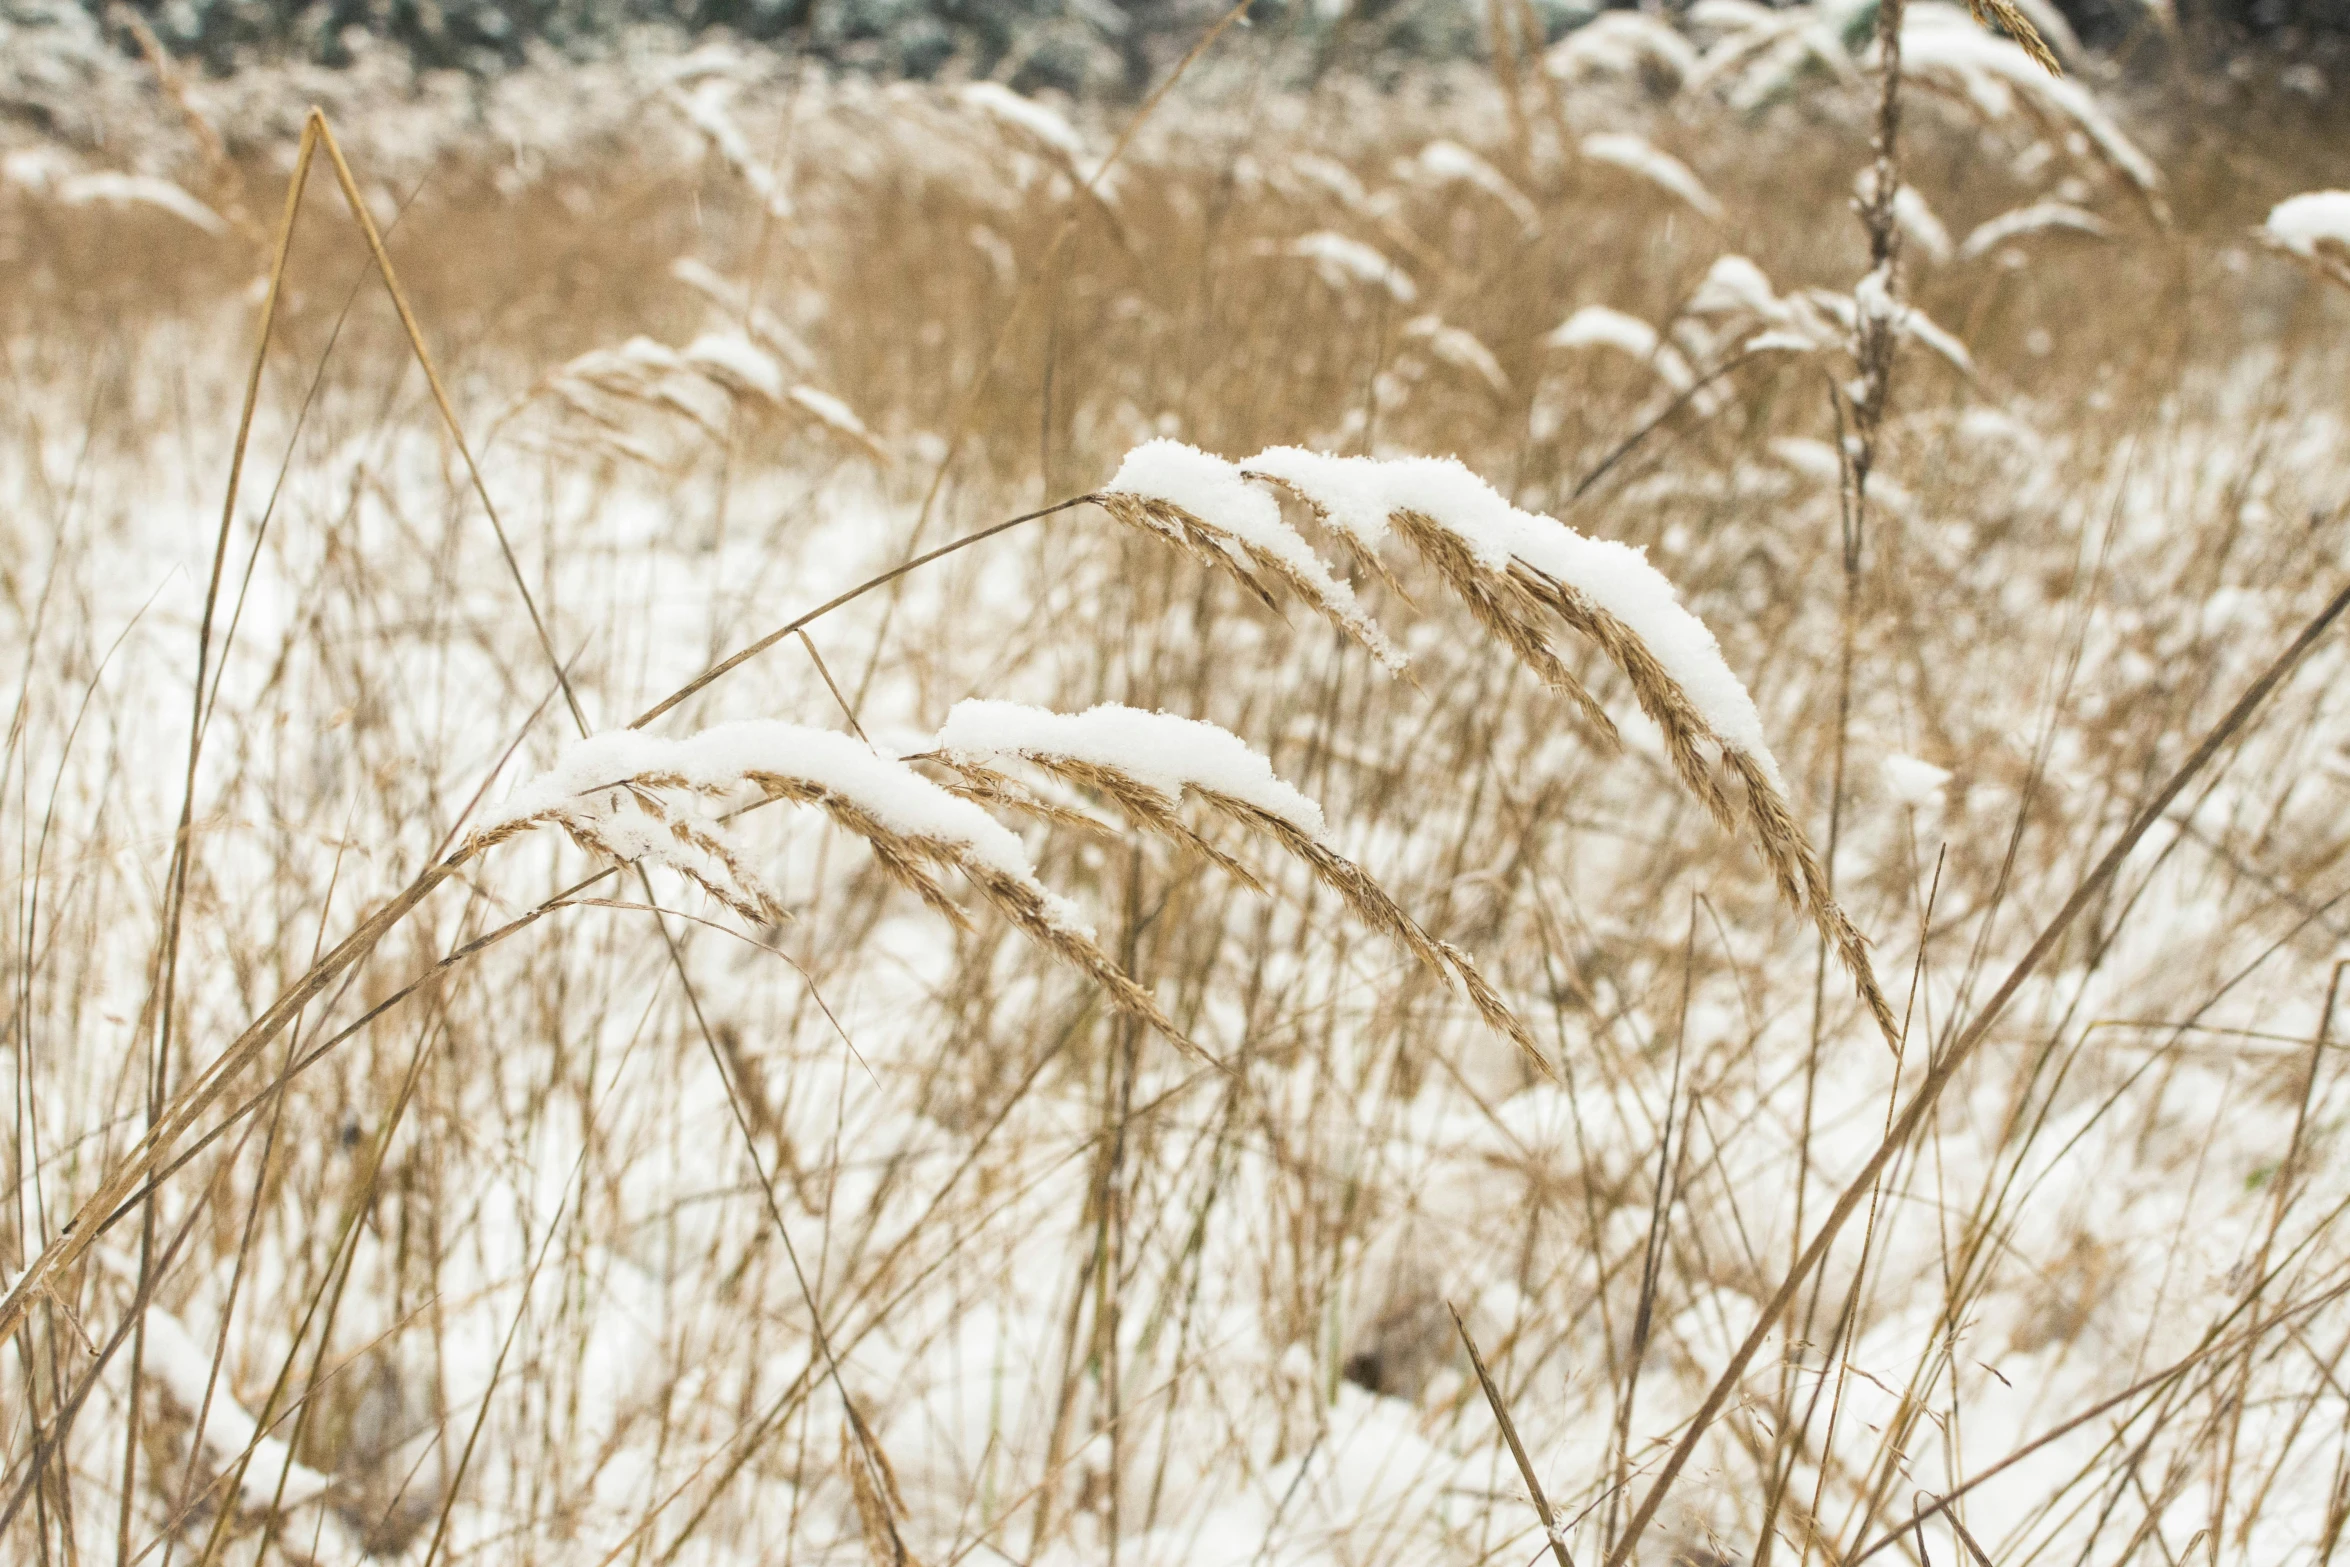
<point x="701" y="385"/>
<point x="621" y="796"/>
<point x="1515" y="573"/>
<point x="1071" y="1299"/>
<point x="1146" y="763"/>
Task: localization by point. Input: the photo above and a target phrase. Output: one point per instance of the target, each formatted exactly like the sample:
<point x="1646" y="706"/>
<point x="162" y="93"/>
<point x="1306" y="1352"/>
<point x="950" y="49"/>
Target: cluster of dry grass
<point x="452" y="1195"/>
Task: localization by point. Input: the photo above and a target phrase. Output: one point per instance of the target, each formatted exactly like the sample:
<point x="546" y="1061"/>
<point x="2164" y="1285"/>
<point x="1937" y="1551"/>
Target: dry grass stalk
<point x="1513" y="602"/>
<point x="1342" y="876"/>
<point x="1505" y="607"/>
<point x="717" y="376"/>
<point x="1145" y="806"/>
<point x="220" y="170"/>
<point x="1220" y="549"/>
<point x="938" y="1243"/>
<point x="2008" y="18"/>
<point x="1151" y="804"/>
<point x="1369" y="559"/>
<point x="1495" y="1011"/>
<point x="637" y="819"/>
<point x="986" y="786"/>
<point x="1794" y="863"/>
<point x="1551" y="1529"/>
<point x="1480" y="552"/>
<point x="1026" y="908"/>
<point x="878" y="1503"/>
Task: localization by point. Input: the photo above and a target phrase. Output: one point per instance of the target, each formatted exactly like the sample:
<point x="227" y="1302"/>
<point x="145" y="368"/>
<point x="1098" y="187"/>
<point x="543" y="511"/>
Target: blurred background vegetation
<point x="1111" y="47"/>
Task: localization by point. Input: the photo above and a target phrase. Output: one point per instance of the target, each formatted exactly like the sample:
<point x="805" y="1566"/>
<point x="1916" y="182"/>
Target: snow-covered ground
<point x="808" y="1188"/>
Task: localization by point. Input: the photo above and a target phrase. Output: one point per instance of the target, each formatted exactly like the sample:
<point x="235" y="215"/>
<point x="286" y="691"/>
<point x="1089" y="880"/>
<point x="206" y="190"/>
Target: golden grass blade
<point x="2009" y="19"/>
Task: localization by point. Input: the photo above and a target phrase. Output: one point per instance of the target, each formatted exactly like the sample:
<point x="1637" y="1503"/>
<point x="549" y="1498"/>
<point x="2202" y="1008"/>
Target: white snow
<point x="1730" y="16"/>
<point x="1758" y="51"/>
<point x="1873" y="298"/>
<point x="828" y="409"/>
<point x="2039" y="218"/>
<point x="1621" y="43"/>
<point x="1168" y="753"/>
<point x="1917" y="220"/>
<point x="928" y="1177"/>
<point x="736" y="301"/>
<point x="1942" y="40"/>
<point x="1636" y="155"/>
<point x="739" y="363"/>
<point x="1734" y="284"/>
<point x="1202" y="484"/>
<point x="1734" y="288"/>
<point x="1913" y="782"/>
<point x="1458" y="347"/>
<point x="1781" y="341"/>
<point x="1334" y="177"/>
<point x="1342" y="262"/>
<point x="705" y="107"/>
<point x="1619" y="579"/>
<point x="184" y="1367"/>
<point x="37" y="168"/>
<point x="719" y="759"/>
<point x="1912" y="215"/>
<point x="1349" y="490"/>
<point x="1450" y="163"/>
<point x="1614" y="577"/>
<point x="1810" y="459"/>
<point x="2312" y="222"/>
<point x="140" y="190"/>
<point x="636" y="360"/>
<point x="1215" y="492"/>
<point x="1940" y="339"/>
<point x="1598" y="326"/>
<point x="1006" y="107"/>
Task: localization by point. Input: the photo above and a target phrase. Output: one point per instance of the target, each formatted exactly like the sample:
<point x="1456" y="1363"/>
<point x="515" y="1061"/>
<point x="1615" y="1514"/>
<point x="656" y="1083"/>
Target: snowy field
<point x="1549" y="707"/>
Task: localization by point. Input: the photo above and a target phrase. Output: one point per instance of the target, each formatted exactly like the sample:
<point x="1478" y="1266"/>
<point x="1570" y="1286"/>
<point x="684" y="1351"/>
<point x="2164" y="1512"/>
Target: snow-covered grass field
<point x="949" y="1114"/>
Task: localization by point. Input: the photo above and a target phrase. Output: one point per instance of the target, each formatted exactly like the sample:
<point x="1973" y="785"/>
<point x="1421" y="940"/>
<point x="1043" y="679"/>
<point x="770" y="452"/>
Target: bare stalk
<point x="1962" y="1049"/>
